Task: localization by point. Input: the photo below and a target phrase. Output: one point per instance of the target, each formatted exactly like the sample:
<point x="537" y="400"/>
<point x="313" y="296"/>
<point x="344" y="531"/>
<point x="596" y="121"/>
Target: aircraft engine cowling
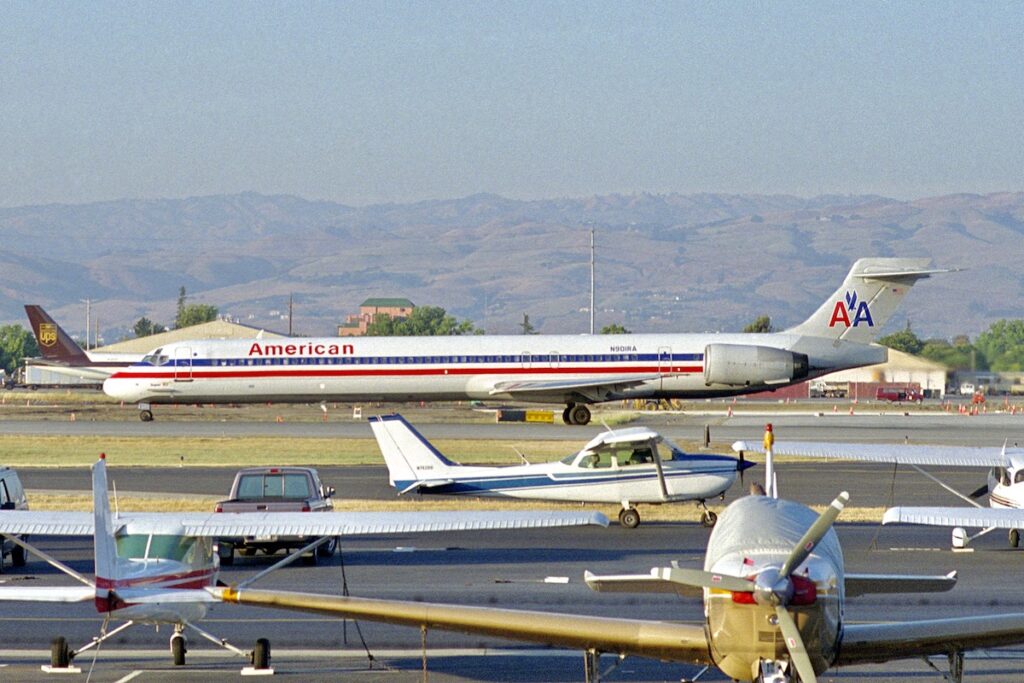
<point x="743" y="365"/>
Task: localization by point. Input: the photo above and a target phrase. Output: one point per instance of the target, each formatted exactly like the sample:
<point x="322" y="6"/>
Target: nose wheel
<point x="178" y="647"/>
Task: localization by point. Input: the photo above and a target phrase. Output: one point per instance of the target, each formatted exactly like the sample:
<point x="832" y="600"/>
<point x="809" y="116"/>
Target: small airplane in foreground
<point x="158" y="568"/>
<point x="774" y="591"/>
<point x="1005" y="485"/>
<point x="623" y="466"/>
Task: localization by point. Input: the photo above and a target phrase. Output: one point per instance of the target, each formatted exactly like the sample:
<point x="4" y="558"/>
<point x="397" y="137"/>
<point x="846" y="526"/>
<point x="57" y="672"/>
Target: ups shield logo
<point x="47" y="334"/>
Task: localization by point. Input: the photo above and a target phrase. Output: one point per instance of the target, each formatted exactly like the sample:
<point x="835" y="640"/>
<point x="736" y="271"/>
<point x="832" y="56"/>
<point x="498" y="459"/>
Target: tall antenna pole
<point x="88" y="320"/>
<point x="591" y="281"/>
<point x="289" y="315"/>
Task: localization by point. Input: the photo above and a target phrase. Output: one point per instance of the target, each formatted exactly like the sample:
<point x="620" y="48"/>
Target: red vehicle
<point x="898" y="395"/>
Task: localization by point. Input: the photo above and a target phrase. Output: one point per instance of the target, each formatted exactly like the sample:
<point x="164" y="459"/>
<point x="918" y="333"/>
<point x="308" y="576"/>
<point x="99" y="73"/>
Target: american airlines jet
<point x="574" y="370"/>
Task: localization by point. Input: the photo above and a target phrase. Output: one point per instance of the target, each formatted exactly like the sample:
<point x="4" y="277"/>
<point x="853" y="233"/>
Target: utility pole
<point x="289" y="315"/>
<point x="88" y="320"/>
<point x="591" y="281"/>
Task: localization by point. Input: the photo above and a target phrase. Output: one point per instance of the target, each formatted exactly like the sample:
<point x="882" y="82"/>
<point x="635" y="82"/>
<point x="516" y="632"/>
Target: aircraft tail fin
<point x="409" y="456"/>
<point x="868" y="297"/>
<point x="54" y="343"/>
<point x="106" y="550"/>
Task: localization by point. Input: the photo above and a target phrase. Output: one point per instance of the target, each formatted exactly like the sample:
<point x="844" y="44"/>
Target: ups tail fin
<point x="106" y="548"/>
<point x="409" y="457"/>
<point x="866" y="300"/>
<point x="54" y="343"/>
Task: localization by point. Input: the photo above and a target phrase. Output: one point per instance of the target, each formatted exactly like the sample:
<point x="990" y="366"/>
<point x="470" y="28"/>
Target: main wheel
<point x="261" y="654"/>
<point x="178" y="649"/>
<point x="1014" y="539"/>
<point x="579" y="415"/>
<point x="708" y="519"/>
<point x="326" y="550"/>
<point x="629" y="518"/>
<point x="60" y="655"/>
<point x="146" y="415"/>
<point x="18" y="556"/>
<point x="565" y="415"/>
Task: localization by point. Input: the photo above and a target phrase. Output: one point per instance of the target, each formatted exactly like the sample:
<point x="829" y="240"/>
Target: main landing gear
<point x="576" y="414"/>
<point x="707" y="517"/>
<point x="629" y="517"/>
<point x="61" y="656"/>
<point x="145" y="412"/>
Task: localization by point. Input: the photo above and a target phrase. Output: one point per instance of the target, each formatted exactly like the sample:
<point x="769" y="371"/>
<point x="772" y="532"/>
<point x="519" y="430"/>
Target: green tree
<point x="904" y="340"/>
<point x="424" y="321"/>
<point x="1002" y="344"/>
<point x="144" y="327"/>
<point x="192" y="314"/>
<point x="762" y="325"/>
<point x="527" y="325"/>
<point x="16" y="344"/>
<point x="959" y="355"/>
<point x="615" y="328"/>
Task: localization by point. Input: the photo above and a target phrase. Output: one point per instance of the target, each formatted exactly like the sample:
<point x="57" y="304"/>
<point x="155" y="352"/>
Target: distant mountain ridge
<point x="671" y="262"/>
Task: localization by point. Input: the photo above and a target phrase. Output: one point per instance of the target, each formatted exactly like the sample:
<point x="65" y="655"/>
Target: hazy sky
<point x="373" y="102"/>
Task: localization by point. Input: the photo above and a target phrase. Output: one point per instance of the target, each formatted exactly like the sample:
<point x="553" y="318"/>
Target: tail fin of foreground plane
<point x="103" y="529"/>
<point x="410" y="458"/>
<point x="866" y="300"/>
<point x="54" y="343"/>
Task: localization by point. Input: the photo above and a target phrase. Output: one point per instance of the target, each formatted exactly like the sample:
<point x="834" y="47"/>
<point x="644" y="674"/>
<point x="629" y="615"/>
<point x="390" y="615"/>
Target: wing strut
<point x="50" y="560"/>
<point x="661" y="472"/>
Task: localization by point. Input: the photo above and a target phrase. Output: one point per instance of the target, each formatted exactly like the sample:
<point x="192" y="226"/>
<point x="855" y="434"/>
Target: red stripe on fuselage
<point x="312" y="372"/>
<point x="199" y="578"/>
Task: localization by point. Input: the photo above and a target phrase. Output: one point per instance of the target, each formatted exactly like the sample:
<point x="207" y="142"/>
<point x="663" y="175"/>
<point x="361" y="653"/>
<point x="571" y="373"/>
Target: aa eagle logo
<point x="47" y="334"/>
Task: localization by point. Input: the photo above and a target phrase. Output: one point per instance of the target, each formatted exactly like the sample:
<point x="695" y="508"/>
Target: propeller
<point x="773" y="586"/>
<point x="979" y="492"/>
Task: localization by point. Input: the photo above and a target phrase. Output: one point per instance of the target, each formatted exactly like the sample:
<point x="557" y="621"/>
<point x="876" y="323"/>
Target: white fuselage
<point x="753" y="534"/>
<point x="693" y="478"/>
<point x="553" y="369"/>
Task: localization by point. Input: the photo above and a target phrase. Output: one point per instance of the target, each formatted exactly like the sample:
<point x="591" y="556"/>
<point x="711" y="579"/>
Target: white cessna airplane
<point x="774" y="591"/>
<point x="1005" y="485"/>
<point x="622" y="466"/>
<point x="572" y="369"/>
<point x="158" y="568"/>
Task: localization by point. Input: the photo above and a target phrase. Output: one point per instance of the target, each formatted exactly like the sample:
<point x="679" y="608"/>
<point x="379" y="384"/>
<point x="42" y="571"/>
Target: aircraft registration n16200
<point x="622" y="466"/>
<point x="575" y="370"/>
<point x="158" y="568"/>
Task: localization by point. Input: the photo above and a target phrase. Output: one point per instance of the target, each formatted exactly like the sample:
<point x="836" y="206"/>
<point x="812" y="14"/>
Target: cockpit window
<point x="155" y="359"/>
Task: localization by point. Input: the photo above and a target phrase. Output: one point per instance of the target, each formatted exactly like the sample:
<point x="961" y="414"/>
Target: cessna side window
<point x="1019" y="476"/>
<point x="638" y="455"/>
<point x="598" y="460"/>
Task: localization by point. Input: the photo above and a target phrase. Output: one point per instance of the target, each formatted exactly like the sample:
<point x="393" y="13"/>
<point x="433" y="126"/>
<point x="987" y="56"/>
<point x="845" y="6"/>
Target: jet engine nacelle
<point x="743" y="366"/>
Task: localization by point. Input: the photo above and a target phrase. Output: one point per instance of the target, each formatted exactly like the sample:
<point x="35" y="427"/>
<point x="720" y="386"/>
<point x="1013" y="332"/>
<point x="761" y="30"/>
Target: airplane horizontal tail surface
<point x="410" y="457"/>
<point x="868" y="297"/>
<point x="54" y="343"/>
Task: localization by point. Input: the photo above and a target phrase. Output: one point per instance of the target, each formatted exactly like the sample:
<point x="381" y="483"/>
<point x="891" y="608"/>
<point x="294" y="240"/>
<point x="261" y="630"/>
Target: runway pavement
<point x="507" y="569"/>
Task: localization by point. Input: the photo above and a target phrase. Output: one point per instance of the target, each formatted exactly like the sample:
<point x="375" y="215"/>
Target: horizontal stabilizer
<point x="865" y="584"/>
<point x="976" y="518"/>
<point x="638" y="583"/>
<point x="47" y="593"/>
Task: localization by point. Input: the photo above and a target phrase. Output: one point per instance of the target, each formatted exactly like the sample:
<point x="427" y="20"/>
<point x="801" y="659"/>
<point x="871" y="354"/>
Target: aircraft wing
<point x="982" y="518"/>
<point x="591" y="388"/>
<point x="48" y="593"/>
<point x="44" y="523"/>
<point x="866" y="643"/>
<point x="865" y="584"/>
<point x="894" y="453"/>
<point x="660" y="639"/>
